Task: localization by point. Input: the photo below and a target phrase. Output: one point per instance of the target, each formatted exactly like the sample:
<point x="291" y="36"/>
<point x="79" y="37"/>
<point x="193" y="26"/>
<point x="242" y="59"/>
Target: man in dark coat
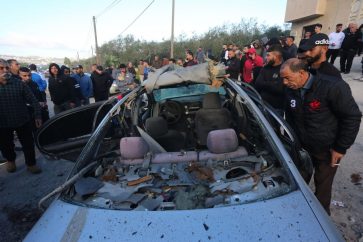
<point x="326" y="118"/>
<point x="102" y="82"/>
<point x="15" y="117"/>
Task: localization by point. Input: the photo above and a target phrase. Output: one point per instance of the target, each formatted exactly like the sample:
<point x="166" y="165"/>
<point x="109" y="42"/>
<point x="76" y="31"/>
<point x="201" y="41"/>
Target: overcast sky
<point x="61" y="28"/>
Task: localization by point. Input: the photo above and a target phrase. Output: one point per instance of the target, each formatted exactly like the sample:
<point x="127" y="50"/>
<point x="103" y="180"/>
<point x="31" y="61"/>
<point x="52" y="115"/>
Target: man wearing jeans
<point x="335" y="42"/>
<point x="349" y="48"/>
<point x="14" y="116"/>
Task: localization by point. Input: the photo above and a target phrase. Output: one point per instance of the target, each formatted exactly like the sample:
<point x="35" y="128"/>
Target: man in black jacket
<point x="323" y="113"/>
<point x="61" y="89"/>
<point x="349" y="48"/>
<point x="233" y="65"/>
<point x="102" y="82"/>
<point x="268" y="83"/>
<point x="25" y="76"/>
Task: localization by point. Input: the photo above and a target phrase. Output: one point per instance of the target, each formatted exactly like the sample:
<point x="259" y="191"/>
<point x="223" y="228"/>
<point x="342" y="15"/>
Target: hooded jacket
<point x="250" y="64"/>
<point x="61" y="87"/>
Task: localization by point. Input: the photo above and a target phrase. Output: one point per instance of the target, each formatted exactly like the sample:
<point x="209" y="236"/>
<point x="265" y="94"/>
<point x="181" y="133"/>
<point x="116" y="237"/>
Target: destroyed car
<point x="187" y="156"/>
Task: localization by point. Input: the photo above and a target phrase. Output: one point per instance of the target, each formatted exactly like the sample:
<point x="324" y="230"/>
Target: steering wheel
<point x="171" y="111"/>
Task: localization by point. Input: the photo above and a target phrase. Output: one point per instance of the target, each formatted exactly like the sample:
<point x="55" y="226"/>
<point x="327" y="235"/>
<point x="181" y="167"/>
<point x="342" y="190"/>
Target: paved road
<point x="21" y="191"/>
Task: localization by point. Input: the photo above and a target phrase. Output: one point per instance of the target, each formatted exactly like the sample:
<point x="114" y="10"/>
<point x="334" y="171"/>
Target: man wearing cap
<point x="314" y="52"/>
<point x="349" y="48"/>
<point x="102" y="82"/>
<point x="325" y="117"/>
<point x="85" y="84"/>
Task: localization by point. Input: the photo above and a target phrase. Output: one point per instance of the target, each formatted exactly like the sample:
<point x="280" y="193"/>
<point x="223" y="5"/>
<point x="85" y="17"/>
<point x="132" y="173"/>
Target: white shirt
<point x="336" y="40"/>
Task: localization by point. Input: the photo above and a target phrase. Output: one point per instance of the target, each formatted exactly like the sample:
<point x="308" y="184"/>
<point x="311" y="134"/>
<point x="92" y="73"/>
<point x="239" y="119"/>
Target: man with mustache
<point x="325" y="117"/>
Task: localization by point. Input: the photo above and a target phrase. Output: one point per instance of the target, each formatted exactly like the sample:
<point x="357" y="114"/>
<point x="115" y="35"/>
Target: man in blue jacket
<point x="85" y="84"/>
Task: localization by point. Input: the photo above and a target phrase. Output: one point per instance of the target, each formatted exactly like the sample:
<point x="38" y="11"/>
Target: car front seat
<point x="211" y="117"/>
<point x="170" y="140"/>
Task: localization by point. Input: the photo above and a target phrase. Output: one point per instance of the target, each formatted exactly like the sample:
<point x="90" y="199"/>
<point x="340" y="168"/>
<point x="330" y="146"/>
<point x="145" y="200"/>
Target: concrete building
<point x="304" y="14"/>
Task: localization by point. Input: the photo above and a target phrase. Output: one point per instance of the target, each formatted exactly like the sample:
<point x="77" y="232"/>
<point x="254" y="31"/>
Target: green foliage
<point x="127" y="48"/>
<point x="67" y="61"/>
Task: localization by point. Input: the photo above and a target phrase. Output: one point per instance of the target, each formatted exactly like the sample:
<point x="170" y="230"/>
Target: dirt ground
<point x="20" y="192"/>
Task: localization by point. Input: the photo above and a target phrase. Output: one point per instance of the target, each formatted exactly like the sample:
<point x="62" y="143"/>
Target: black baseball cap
<point x="78" y="67"/>
<point x="315" y="40"/>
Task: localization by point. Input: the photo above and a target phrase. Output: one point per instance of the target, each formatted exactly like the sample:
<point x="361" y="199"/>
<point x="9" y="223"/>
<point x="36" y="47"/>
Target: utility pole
<point x="172" y="31"/>
<point x="97" y="54"/>
<point x="77" y="57"/>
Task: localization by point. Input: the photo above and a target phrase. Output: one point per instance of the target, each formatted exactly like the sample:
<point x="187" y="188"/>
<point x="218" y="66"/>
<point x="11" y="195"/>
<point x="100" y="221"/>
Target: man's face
<point x="307" y="35"/>
<point x="353" y="28"/>
<point x="271" y="58"/>
<point x="245" y="50"/>
<point x="179" y="62"/>
<point x="25" y="76"/>
<point x="93" y="68"/>
<point x="224" y="47"/>
<point x="317" y="29"/>
<point x="252" y="55"/>
<point x="189" y="56"/>
<point x="4" y="69"/>
<point x="293" y="80"/>
<point x="66" y="72"/>
<point x="289" y="41"/>
<point x="314" y="54"/>
<point x="54" y="70"/>
<point x="339" y="28"/>
<point x="79" y="70"/>
<point x="14" y="67"/>
<point x="231" y="54"/>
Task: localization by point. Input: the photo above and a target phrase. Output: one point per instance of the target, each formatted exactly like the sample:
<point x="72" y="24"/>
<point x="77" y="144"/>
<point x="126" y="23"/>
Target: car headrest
<point x="156" y="126"/>
<point x="222" y="141"/>
<point x="212" y="100"/>
<point x="133" y="147"/>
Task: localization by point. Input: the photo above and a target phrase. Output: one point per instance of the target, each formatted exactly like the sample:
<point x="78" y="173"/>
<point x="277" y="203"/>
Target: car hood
<point x="285" y="218"/>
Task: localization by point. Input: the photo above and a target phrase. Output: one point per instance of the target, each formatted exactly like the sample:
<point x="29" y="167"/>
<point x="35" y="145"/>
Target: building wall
<point x="336" y="11"/>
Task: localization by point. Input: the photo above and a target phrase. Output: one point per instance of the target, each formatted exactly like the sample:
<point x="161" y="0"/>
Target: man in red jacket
<point x="253" y="61"/>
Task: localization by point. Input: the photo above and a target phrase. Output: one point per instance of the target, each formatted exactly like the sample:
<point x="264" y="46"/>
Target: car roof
<point x="171" y="75"/>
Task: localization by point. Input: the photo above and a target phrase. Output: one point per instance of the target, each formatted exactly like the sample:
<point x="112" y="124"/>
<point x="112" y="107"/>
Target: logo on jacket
<point x="314" y="105"/>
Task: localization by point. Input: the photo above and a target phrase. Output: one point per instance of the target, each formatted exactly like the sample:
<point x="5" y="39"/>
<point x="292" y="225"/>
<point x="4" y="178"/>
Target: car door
<point x="65" y="135"/>
<point x="287" y="136"/>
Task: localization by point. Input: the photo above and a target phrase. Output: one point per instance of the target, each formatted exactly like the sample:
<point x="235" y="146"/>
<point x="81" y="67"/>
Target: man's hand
<point x="335" y="158"/>
<point x="38" y="123"/>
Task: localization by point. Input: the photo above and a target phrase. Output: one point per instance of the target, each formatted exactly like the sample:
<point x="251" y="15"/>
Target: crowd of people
<point x="298" y="82"/>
